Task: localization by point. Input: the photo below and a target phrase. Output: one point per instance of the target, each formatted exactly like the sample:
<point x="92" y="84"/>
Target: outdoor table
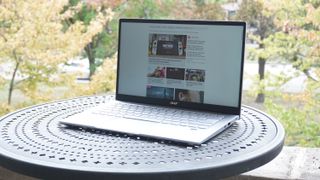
<point x="34" y="143"/>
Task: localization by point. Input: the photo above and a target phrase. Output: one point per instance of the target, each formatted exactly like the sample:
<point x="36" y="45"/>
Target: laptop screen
<point x="195" y="64"/>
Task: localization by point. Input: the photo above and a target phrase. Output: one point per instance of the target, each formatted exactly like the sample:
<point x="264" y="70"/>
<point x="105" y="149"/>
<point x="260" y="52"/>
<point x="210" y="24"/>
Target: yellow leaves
<point x="2" y="82"/>
<point x="313" y="15"/>
<point x="101" y="19"/>
<point x="310" y="38"/>
<point x="104" y="79"/>
<point x="5" y="10"/>
<point x="312" y="35"/>
<point x="71" y="11"/>
<point x="35" y="30"/>
<point x="287" y="14"/>
<point x="105" y="3"/>
<point x="5" y="108"/>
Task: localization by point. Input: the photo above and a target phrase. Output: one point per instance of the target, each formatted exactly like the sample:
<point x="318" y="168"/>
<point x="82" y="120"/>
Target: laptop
<point x="177" y="80"/>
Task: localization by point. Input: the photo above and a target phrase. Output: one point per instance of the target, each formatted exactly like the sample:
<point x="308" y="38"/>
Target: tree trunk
<point x="91" y="57"/>
<point x="261" y="96"/>
<point x="12" y="82"/>
<point x="92" y="66"/>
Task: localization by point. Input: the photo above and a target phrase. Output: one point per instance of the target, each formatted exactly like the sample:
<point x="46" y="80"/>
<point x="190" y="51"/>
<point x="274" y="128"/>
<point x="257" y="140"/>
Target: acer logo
<point x="173" y="103"/>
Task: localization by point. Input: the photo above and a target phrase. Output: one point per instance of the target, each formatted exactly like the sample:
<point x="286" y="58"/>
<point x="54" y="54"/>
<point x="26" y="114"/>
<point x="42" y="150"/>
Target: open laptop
<point x="176" y="80"/>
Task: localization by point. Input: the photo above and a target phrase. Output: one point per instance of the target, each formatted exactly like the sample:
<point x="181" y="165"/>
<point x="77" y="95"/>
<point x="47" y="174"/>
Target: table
<point x="35" y="144"/>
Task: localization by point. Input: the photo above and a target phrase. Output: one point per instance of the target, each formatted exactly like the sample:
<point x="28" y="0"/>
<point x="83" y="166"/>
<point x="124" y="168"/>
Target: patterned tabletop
<point x="34" y="143"/>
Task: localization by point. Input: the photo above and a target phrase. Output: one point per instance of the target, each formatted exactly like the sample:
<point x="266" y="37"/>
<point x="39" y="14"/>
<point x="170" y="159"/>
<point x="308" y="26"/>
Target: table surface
<point x="34" y="143"/>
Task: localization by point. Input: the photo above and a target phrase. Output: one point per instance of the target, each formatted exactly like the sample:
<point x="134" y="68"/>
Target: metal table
<point x="35" y="144"/>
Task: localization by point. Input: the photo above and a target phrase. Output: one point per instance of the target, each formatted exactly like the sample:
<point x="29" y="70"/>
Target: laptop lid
<point x="187" y="64"/>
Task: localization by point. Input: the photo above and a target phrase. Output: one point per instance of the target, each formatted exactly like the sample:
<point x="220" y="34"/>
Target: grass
<point x="301" y="121"/>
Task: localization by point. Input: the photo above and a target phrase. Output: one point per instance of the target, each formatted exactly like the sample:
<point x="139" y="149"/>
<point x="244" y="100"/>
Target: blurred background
<point x="52" y="50"/>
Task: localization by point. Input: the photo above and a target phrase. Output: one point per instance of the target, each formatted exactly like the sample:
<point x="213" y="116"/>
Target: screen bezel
<point x="180" y="104"/>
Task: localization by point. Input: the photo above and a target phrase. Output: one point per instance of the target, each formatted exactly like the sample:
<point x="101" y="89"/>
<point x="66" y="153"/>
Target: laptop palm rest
<point x="149" y="129"/>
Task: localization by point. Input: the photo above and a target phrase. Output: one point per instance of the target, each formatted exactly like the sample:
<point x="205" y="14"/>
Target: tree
<point x="209" y="10"/>
<point x="104" y="44"/>
<point x="254" y="12"/>
<point x="34" y="40"/>
<point x="103" y="81"/>
<point x="298" y="40"/>
<point x="146" y="9"/>
<point x="96" y="48"/>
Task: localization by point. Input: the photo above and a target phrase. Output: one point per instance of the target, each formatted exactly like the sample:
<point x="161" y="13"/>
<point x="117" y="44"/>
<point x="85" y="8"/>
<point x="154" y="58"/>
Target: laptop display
<point x="195" y="64"/>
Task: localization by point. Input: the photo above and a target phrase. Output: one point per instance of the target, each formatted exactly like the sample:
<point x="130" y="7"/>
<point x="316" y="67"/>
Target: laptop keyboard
<point x="192" y="119"/>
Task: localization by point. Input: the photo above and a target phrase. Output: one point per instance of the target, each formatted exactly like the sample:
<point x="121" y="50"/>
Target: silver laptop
<point x="176" y="80"/>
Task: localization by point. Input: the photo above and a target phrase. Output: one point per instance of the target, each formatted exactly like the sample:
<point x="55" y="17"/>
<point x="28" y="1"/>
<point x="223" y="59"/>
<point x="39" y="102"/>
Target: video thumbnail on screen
<point x="167" y="46"/>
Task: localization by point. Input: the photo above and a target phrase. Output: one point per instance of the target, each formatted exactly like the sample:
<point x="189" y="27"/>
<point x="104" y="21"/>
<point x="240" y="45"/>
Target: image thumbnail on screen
<point x="189" y="95"/>
<point x="167" y="46"/>
<point x="195" y="75"/>
<point x="160" y="92"/>
<point x="175" y="73"/>
<point x="157" y="72"/>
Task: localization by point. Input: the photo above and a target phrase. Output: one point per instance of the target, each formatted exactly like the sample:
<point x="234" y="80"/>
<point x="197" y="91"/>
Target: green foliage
<point x="299" y="114"/>
<point x="291" y="48"/>
<point x="86" y="14"/>
<point x="2" y="83"/>
<point x="73" y="2"/>
<point x="205" y="2"/>
<point x="294" y="42"/>
<point x="102" y="82"/>
<point x="315" y="3"/>
<point x="300" y="130"/>
<point x="210" y="11"/>
<point x="250" y="11"/>
<point x="5" y="108"/>
<point x="256" y="14"/>
<point x="131" y="9"/>
<point x="98" y="47"/>
<point x="108" y="44"/>
<point x="145" y="9"/>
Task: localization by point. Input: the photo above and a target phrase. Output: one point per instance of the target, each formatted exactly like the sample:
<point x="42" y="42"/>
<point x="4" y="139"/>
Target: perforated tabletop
<point x="35" y="144"/>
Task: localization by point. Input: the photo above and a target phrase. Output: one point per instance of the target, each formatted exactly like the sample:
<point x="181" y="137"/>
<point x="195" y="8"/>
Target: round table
<point x="33" y="142"/>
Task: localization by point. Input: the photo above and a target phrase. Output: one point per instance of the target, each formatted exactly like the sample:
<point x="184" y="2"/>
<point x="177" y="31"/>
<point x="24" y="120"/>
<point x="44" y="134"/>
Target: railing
<point x="291" y="163"/>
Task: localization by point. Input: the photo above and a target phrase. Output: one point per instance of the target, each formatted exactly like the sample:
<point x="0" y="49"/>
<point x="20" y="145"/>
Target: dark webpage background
<point x="220" y="59"/>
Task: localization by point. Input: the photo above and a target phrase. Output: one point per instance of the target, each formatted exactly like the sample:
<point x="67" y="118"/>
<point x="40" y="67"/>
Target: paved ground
<point x="295" y="85"/>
